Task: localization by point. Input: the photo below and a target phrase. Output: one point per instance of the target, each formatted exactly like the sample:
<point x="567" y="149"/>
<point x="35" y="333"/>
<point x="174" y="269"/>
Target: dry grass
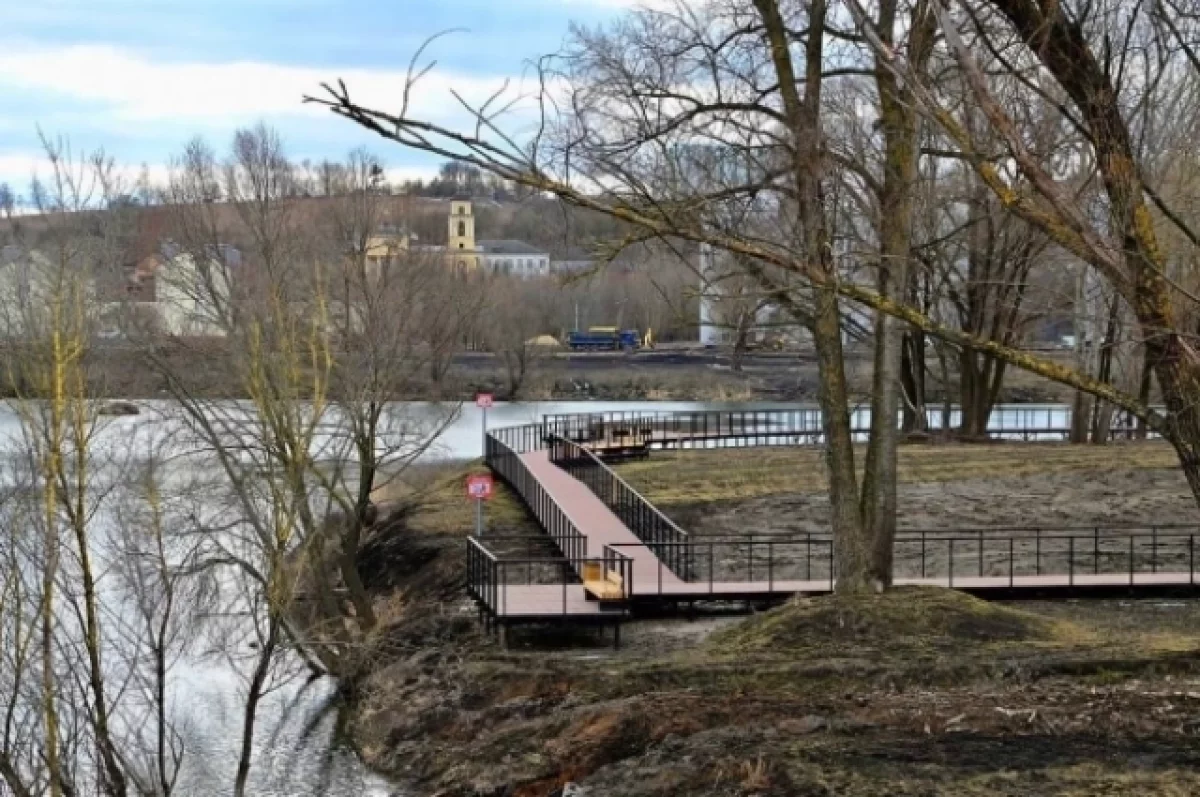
<point x="714" y="475"/>
<point x="902" y="618"/>
<point x="438" y="497"/>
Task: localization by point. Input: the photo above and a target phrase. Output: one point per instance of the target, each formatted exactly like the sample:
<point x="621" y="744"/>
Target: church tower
<point x="461" y="253"/>
<point x="462" y="228"/>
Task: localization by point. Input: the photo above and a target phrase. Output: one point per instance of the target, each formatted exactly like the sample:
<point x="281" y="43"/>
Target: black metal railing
<point x="506" y="462"/>
<point x="516" y="439"/>
<point x="715" y="429"/>
<point x="491" y="577"/>
<point x="1096" y="551"/>
<point x="1014" y="558"/>
<point x="656" y="531"/>
<point x="735" y="569"/>
<point x="752" y="428"/>
<point x="744" y="566"/>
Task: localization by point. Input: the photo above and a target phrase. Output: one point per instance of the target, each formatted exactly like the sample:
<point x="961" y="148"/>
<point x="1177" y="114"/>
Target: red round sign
<point x="484" y="400"/>
<point x="480" y="486"/>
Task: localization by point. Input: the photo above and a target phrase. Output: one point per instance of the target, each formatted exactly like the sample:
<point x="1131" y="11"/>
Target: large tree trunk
<point x="899" y="123"/>
<point x="912" y="381"/>
<point x="981" y="376"/>
<point x="852" y="544"/>
<point x="852" y="541"/>
<point x="1103" y="415"/>
<point x="1144" y="385"/>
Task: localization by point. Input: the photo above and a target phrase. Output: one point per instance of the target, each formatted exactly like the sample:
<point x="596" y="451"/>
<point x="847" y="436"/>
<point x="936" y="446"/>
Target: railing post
<point x="950" y="562"/>
<point x="750" y="568"/>
<point x="922" y="553"/>
<point x="1192" y="559"/>
<point x="1071" y="560"/>
<point x="1011" y="557"/>
<point x="981" y="553"/>
<point x="1096" y="550"/>
<point x="770" y="566"/>
<point x="1154" y="549"/>
<point x="1037" y="556"/>
<point x="1131" y="537"/>
<point x="710" y="568"/>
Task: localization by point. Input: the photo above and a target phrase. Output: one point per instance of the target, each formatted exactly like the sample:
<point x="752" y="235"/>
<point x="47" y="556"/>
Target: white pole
<point x="478" y="517"/>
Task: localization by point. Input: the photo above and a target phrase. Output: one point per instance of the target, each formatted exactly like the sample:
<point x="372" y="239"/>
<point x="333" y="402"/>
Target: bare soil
<point x="1122" y="496"/>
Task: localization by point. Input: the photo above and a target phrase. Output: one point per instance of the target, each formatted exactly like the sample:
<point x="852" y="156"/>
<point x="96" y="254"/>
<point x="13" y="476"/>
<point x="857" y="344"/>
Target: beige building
<point x="387" y="243"/>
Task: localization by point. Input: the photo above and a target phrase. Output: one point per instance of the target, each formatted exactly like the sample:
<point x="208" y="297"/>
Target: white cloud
<point x="136" y="90"/>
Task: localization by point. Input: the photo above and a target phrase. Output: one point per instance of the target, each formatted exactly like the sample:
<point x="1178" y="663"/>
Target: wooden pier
<point x="619" y="552"/>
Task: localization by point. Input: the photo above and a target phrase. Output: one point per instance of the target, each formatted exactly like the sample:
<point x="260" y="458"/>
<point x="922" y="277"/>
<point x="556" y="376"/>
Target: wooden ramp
<point x="595" y="521"/>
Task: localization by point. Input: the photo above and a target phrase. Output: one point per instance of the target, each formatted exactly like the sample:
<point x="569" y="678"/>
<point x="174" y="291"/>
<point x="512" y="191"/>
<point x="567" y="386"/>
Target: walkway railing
<point x="507" y="464"/>
<point x="747" y="428"/>
<point x="656" y="531"/>
<point x="1049" y="557"/>
<point x="684" y="429"/>
<point x="517" y="439"/>
<point x="489" y="577"/>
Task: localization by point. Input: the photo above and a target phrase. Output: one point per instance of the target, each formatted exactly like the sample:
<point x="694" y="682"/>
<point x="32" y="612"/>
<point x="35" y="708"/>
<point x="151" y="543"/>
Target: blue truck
<point x="604" y="339"/>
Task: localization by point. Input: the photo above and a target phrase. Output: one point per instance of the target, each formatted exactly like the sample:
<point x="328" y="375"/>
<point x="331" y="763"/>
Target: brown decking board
<point x="521" y="600"/>
<point x="593" y="519"/>
<point x="601" y="527"/>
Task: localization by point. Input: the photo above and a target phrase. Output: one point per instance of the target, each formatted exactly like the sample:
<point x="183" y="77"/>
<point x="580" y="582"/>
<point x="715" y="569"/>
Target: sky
<point x="140" y="78"/>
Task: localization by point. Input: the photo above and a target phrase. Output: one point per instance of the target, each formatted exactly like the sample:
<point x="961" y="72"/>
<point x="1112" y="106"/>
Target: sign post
<point x="484" y="401"/>
<point x="480" y="488"/>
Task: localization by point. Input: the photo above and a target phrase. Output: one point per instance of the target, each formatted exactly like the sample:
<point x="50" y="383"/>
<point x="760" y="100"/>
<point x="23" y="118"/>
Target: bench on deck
<point x="601" y="583"/>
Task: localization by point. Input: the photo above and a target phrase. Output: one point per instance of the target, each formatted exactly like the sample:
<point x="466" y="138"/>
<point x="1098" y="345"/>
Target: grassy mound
<point x="905" y="617"/>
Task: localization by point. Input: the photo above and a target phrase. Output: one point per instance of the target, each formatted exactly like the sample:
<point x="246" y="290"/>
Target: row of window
<point x="518" y="265"/>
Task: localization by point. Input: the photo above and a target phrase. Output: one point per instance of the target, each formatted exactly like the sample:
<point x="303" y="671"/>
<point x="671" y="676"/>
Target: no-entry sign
<point x="480" y="486"/>
<point x="484" y="400"/>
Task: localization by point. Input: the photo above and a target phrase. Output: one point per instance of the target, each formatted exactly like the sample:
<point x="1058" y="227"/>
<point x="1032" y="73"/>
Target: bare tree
<point x="519" y="316"/>
<point x="49" y="337"/>
<point x="687" y="88"/>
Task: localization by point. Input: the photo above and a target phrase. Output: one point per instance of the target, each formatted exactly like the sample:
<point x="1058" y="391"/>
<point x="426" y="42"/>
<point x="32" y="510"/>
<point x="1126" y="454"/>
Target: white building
<point x="171" y="292"/>
<point x="192" y="300"/>
<point x="32" y="282"/>
<point x="575" y="261"/>
<point x="514" y="257"/>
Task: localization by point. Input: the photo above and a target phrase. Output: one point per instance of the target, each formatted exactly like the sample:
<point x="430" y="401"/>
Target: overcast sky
<point x="141" y="77"/>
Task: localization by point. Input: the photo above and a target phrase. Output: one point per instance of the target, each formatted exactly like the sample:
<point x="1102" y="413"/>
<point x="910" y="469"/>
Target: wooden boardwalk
<point x="595" y="521"/>
<point x="652" y="580"/>
<point x="549" y="601"/>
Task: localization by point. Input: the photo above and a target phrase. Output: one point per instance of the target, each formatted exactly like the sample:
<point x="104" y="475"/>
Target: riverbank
<point x="206" y="369"/>
<point x="917" y="692"/>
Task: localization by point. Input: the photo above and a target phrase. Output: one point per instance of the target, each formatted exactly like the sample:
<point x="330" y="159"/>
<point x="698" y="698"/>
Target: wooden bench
<point x="601" y="583"/>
